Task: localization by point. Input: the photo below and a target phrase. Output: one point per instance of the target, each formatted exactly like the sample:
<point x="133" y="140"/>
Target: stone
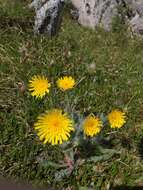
<point x="100" y="13"/>
<point x="137" y="25"/>
<point x="94" y="13"/>
<point x="48" y="16"/>
<point x="90" y="13"/>
<point x="136" y="22"/>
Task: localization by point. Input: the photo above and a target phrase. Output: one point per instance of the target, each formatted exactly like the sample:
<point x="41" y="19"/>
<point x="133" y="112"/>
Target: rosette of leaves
<point x="81" y="149"/>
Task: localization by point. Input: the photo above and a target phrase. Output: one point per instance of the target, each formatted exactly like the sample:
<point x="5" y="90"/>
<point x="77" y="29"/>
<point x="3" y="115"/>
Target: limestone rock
<point x="48" y="15"/>
<point x="136" y="22"/>
<point x="137" y="25"/>
<point x="93" y="13"/>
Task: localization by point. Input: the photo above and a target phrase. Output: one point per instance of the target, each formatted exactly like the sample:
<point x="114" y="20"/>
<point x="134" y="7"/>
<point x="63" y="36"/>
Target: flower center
<point x="43" y="86"/>
<point x="56" y="124"/>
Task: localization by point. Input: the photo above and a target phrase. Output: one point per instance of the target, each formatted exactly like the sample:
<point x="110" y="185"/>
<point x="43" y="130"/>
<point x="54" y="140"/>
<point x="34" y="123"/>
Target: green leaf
<point x="95" y="159"/>
<point x="108" y="151"/>
<point x="103" y="157"/>
<point x="83" y="188"/>
<point x="47" y="164"/>
<point x="70" y="153"/>
<point x="103" y="118"/>
<point x="139" y="180"/>
<point x="65" y="145"/>
<point x="59" y="175"/>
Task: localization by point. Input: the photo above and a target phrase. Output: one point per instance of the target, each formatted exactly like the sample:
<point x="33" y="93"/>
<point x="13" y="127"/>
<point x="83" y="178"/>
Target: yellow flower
<point x="39" y="86"/>
<point x="66" y="83"/>
<point x="54" y="127"/>
<point x="92" y="125"/>
<point x="116" y="119"/>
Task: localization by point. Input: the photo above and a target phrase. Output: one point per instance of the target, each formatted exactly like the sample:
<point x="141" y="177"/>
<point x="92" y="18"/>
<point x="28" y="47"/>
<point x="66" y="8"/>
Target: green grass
<point x="116" y="82"/>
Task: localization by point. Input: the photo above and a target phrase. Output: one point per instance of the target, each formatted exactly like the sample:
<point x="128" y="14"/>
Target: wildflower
<point x="66" y="83"/>
<point x="116" y="118"/>
<point x="92" y="125"/>
<point x="39" y="86"/>
<point x="54" y="127"/>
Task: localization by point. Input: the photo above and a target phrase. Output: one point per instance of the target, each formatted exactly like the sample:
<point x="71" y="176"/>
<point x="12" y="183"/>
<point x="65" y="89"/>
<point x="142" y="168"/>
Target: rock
<point x="48" y="15"/>
<point x="137" y="25"/>
<point x="90" y="13"/>
<point x="100" y="13"/>
<point x="94" y="13"/>
<point x="136" y="22"/>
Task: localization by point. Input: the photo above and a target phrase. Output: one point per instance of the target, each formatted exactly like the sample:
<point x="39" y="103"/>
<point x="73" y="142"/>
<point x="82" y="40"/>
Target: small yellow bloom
<point x="66" y="83"/>
<point x="92" y="125"/>
<point x="54" y="127"/>
<point x="116" y="119"/>
<point x="39" y="86"/>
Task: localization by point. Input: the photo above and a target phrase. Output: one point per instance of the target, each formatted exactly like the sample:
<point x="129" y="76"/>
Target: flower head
<point x="54" y="127"/>
<point x="65" y="83"/>
<point x="116" y="119"/>
<point x="92" y="125"/>
<point x="39" y="86"/>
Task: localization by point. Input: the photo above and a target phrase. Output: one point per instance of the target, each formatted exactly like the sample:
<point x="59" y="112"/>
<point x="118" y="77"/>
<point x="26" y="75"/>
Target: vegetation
<point x="109" y="69"/>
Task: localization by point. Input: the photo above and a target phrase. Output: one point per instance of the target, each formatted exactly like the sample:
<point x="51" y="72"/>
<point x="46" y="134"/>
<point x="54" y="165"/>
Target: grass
<point x="116" y="81"/>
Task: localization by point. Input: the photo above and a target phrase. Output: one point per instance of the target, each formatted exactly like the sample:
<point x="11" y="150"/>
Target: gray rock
<point x="137" y="24"/>
<point x="90" y="13"/>
<point x="93" y="13"/>
<point x="48" y="15"/>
